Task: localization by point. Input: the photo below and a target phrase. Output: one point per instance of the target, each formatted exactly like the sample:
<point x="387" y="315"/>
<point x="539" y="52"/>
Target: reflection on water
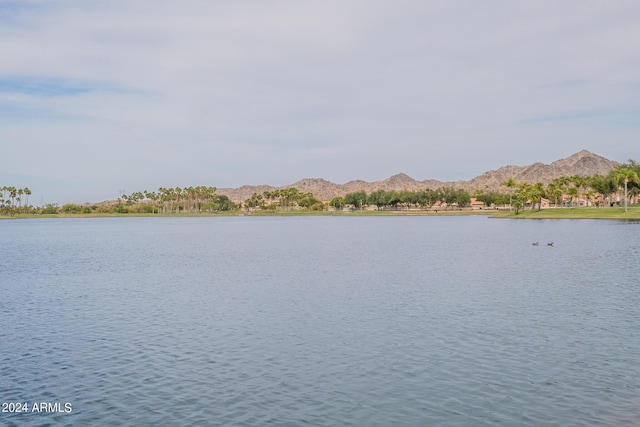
<point x="321" y="321"/>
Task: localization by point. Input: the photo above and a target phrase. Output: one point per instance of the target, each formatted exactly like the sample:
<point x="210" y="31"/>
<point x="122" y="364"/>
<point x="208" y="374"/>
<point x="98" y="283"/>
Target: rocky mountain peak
<point x="401" y="177"/>
<point x="583" y="163"/>
<point x="583" y="156"/>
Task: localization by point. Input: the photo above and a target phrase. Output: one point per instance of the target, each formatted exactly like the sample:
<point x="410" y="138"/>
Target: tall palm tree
<point x="27" y="193"/>
<point x="20" y="192"/>
<point x="537" y="193"/>
<point x="579" y="182"/>
<point x="510" y="183"/>
<point x="555" y="190"/>
<point x="604" y="186"/>
<point x="523" y="196"/>
<point x="178" y="195"/>
<point x="626" y="175"/>
<point x="573" y="193"/>
<point x="13" y="193"/>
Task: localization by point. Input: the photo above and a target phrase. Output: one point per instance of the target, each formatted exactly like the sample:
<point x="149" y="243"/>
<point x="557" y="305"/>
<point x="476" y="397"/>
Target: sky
<point x="100" y="98"/>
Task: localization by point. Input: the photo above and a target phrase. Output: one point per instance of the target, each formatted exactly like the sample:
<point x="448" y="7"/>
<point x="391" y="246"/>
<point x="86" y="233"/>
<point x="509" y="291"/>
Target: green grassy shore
<point x="550" y="213"/>
<point x="616" y="212"/>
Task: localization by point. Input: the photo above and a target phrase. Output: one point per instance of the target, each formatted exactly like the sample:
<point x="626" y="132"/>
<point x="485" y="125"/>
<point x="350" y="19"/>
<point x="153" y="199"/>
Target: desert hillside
<point x="583" y="163"/>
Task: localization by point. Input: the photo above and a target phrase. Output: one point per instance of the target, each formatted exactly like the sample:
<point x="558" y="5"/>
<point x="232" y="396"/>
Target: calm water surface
<point x="322" y="321"/>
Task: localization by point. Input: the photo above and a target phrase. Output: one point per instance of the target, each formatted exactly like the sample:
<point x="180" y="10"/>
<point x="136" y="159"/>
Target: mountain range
<point x="583" y="163"/>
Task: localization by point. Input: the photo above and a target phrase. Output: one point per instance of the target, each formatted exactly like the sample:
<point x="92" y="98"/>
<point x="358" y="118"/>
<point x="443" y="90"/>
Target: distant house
<point x="476" y="204"/>
<point x="544" y="203"/>
<point x="577" y="201"/>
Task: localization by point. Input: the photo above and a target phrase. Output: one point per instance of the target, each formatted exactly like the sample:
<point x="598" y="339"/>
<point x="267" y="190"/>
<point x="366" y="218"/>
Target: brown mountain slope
<point x="582" y="163"/>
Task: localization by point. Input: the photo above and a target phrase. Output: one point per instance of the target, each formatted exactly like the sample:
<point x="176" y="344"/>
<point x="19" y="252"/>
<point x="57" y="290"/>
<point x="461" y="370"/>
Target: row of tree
<point x="164" y="201"/>
<point x="597" y="190"/>
<point x="391" y="199"/>
<point x="621" y="184"/>
<point x="175" y="200"/>
<point x="284" y="199"/>
<point x="14" y="200"/>
<point x="566" y="191"/>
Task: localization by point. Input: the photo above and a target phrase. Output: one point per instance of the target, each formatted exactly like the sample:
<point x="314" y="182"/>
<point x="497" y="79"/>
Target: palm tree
<point x="537" y="193"/>
<point x="523" y="196"/>
<point x="579" y="182"/>
<point x="589" y="196"/>
<point x="572" y="192"/>
<point x="27" y="193"/>
<point x="604" y="186"/>
<point x="554" y="189"/>
<point x="19" y="198"/>
<point x="510" y="183"/>
<point x="13" y="193"/>
<point x="163" y="196"/>
<point x="626" y="175"/>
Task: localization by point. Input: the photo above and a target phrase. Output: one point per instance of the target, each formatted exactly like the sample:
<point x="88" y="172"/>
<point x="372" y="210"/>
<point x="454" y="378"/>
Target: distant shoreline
<point x="549" y="213"/>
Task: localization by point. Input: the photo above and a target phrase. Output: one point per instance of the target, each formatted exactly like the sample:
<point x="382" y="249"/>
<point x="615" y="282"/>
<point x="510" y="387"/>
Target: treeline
<point x="175" y="200"/>
<point x="620" y="185"/>
<point x="283" y="199"/>
<point x="14" y="200"/>
<point x="170" y="200"/>
<point x="391" y="199"/>
<point x="164" y="201"/>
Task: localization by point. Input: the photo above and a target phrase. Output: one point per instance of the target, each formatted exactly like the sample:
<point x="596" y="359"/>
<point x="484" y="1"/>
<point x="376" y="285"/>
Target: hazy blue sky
<point x="102" y="96"/>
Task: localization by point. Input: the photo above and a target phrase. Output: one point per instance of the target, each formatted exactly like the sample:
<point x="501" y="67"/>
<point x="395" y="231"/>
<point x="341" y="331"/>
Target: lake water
<point x="320" y="321"/>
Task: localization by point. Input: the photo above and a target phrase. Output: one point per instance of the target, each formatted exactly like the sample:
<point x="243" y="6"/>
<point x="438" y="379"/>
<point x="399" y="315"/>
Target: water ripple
<point x="321" y="321"/>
